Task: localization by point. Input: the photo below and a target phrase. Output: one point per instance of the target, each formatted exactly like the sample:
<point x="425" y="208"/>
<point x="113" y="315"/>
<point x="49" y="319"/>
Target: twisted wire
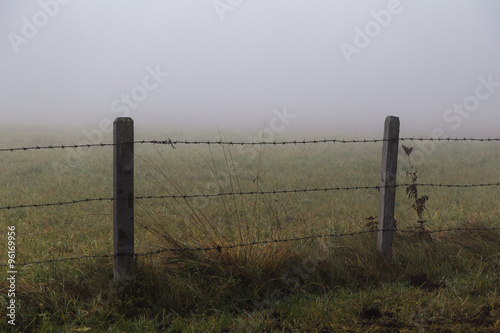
<point x="192" y="196"/>
<point x="219" y="248"/>
<point x="173" y="143"/>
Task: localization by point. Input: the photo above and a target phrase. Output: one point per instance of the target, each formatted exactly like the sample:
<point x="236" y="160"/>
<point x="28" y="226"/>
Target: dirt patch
<point x="370" y="314"/>
<point x="422" y="281"/>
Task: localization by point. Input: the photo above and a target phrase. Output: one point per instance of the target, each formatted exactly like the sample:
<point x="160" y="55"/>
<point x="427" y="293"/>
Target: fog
<point x="315" y="65"/>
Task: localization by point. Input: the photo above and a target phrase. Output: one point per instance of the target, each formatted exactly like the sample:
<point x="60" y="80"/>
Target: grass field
<point x="446" y="282"/>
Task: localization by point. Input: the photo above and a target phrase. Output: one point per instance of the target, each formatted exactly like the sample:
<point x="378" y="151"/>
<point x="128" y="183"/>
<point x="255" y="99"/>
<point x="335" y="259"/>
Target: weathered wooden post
<point x="123" y="199"/>
<point x="388" y="186"/>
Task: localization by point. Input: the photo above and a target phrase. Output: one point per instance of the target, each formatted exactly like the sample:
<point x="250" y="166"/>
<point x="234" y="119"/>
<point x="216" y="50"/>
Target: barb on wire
<point x="219" y="248"/>
<point x="173" y="143"/>
<point x="222" y="194"/>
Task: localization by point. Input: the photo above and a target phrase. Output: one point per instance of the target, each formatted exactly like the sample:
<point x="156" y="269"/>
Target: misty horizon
<point x="335" y="68"/>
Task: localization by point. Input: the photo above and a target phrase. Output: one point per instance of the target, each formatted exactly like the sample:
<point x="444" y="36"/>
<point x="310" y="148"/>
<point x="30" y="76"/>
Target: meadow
<point x="437" y="282"/>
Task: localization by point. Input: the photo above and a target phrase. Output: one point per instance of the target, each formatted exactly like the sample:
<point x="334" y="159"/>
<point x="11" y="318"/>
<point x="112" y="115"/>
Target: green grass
<point x="447" y="283"/>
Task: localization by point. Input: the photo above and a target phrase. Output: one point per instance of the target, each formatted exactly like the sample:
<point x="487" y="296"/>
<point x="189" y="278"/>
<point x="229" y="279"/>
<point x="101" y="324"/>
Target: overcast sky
<point x="311" y="64"/>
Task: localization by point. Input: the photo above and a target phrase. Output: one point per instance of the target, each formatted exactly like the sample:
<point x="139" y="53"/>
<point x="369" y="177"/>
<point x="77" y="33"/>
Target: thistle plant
<point x="412" y="193"/>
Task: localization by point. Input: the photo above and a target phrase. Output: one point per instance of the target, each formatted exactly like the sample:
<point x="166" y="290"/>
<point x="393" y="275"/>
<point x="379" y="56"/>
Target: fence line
<point x="123" y="196"/>
<point x="192" y="196"/>
<point x="219" y="248"/>
<point x="173" y="143"/>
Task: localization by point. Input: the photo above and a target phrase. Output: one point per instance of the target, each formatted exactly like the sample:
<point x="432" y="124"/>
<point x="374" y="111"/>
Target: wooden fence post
<point x="388" y="189"/>
<point x="123" y="199"/>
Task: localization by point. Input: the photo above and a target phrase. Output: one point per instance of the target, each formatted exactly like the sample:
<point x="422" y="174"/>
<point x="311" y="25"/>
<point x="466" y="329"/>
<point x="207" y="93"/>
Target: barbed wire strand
<point x="192" y="196"/>
<point x="219" y="248"/>
<point x="173" y="143"/>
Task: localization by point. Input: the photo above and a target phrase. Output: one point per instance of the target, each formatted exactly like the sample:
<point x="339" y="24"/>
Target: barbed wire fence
<point x="174" y="143"/>
<point x="219" y="248"/>
<point x="223" y="194"/>
<point x="118" y="146"/>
